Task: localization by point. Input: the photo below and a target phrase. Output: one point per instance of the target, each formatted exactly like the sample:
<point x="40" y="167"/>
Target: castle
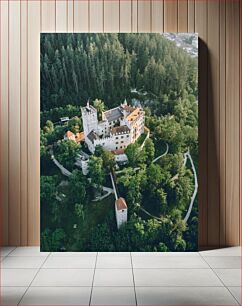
<point x="118" y="128"/>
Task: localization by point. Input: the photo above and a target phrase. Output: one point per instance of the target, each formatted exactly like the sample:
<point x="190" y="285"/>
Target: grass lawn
<point x="97" y="212"/>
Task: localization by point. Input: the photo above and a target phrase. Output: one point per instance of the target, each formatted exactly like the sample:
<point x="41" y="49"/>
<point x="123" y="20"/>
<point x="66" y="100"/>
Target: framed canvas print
<point x="119" y="142"/>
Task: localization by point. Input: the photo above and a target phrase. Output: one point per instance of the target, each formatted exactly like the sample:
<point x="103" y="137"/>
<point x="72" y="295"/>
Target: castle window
<point x="127" y="136"/>
<point x="116" y="148"/>
<point x="122" y="136"/>
<point x="122" y="142"/>
<point x="116" y="138"/>
<point x="116" y="142"/>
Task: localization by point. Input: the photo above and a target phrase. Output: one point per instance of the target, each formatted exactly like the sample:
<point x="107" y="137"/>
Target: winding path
<point x="147" y="213"/>
<point x="187" y="155"/>
<point x="147" y="136"/>
<point x="67" y="173"/>
<point x="63" y="170"/>
<point x="114" y="186"/>
<point x="162" y="155"/>
<point x="108" y="192"/>
<point x="153" y="161"/>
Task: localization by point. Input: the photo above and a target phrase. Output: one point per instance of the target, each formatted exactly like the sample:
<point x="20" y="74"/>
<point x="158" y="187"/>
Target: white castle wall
<point x="103" y="128"/>
<point x="121" y="216"/>
<point x="109" y="141"/>
<point x="90" y="145"/>
<point x="122" y="140"/>
<point x="89" y="119"/>
<point x="84" y="165"/>
<point x="137" y="125"/>
<point x="113" y="142"/>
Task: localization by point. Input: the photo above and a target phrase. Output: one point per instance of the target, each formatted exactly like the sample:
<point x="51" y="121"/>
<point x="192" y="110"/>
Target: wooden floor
<point x="216" y="22"/>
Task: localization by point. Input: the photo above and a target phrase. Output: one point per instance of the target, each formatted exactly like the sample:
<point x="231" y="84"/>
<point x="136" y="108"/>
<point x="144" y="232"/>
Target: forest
<point x="147" y="70"/>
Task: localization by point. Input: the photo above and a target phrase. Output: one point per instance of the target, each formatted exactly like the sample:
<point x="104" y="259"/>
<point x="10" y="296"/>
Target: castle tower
<point x="121" y="211"/>
<point x="89" y="119"/>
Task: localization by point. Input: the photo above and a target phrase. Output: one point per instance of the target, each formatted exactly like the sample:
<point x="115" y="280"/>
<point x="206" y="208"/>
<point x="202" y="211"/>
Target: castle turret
<point x="121" y="211"/>
<point x="89" y="119"/>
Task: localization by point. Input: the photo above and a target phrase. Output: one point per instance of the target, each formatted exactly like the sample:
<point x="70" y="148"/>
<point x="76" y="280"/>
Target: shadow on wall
<point x="209" y="170"/>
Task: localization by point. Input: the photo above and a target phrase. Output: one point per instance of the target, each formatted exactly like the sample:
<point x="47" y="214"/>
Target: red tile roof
<point x="123" y="129"/>
<point x="118" y="152"/>
<point x="69" y="134"/>
<point x="120" y="204"/>
<point x="80" y="137"/>
<point x="134" y="114"/>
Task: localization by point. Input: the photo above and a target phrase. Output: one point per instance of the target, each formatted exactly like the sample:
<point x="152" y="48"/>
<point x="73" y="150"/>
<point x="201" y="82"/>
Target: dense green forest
<point x="77" y="67"/>
<point x="147" y="69"/>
